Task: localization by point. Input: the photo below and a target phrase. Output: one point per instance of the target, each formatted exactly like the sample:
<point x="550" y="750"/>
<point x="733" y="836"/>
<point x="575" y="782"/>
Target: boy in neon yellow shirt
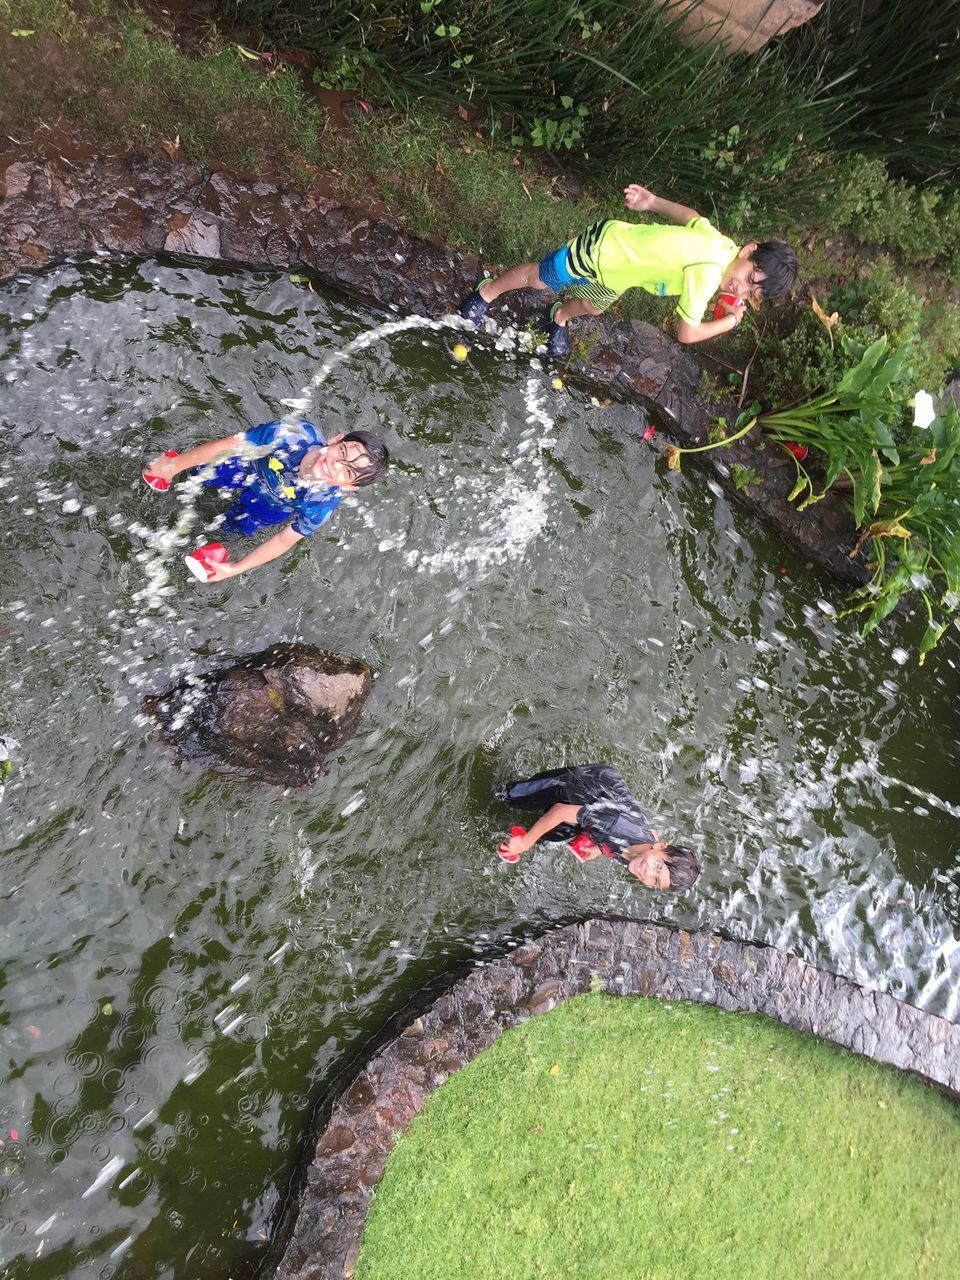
<point x="690" y="260"/>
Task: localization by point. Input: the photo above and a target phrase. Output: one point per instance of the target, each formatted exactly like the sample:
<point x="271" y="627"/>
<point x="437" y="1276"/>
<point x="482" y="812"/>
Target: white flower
<point x="923" y="410"/>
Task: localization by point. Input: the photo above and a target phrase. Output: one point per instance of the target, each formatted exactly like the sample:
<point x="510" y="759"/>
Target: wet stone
<point x="275" y="715"/>
<point x="192" y="235"/>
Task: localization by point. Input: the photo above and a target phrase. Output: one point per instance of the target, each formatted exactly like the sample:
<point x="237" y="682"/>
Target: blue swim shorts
<point x="254" y="511"/>
<point x="555" y="270"/>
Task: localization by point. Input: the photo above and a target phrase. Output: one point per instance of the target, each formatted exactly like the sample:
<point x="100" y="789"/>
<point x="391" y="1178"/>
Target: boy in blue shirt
<point x="286" y="473"/>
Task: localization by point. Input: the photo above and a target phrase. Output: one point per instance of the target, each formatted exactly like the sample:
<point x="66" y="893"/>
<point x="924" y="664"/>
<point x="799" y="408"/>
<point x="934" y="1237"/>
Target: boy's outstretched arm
<point x="199" y="456"/>
<point x="556" y="814"/>
<point x="640" y="200"/>
<point x="688" y="333"/>
<point x="273" y="548"/>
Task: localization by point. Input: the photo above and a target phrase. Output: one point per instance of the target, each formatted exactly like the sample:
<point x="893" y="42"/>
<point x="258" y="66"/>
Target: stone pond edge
<point x="622" y="958"/>
<point x="63" y="197"/>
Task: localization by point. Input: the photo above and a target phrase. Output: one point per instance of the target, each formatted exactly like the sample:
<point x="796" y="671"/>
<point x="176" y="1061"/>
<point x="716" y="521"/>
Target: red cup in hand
<point x="199" y="562"/>
<point x="726" y="304"/>
<point x="158" y="482"/>
<point x="513" y="857"/>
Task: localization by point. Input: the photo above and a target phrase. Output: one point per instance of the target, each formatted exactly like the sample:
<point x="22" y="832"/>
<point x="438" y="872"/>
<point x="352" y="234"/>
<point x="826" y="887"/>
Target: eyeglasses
<point x="352" y="470"/>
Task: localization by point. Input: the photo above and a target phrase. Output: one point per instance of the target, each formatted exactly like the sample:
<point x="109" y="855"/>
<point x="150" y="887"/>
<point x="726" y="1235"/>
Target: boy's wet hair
<point x="683" y="866"/>
<point x="778" y="263"/>
<point x="378" y="456"/>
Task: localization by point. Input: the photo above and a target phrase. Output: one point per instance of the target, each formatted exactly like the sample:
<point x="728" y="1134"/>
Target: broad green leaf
<point x="931" y="638"/>
<point x="883" y="609"/>
<point x="856" y="379"/>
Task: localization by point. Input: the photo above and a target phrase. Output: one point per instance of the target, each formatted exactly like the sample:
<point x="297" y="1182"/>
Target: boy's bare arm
<point x="274" y="547"/>
<point x="199" y="456"/>
<point x="689" y="333"/>
<point x="643" y="201"/>
<point x="556" y="814"/>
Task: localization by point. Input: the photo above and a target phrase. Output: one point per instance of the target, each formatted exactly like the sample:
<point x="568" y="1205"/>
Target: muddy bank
<point x="64" y="198"/>
<point x="628" y="958"/>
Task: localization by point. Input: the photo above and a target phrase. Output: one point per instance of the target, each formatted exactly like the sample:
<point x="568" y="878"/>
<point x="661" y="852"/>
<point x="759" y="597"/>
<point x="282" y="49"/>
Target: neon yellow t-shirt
<point x="668" y="261"/>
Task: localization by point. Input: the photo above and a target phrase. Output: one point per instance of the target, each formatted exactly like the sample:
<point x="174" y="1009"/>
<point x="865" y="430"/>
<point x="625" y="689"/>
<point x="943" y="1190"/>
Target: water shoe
<point x="474" y="307"/>
<point x="558" y="340"/>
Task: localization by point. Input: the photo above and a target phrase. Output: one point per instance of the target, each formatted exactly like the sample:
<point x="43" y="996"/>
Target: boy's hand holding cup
<point x="728" y="305"/>
<point x="511" y="849"/>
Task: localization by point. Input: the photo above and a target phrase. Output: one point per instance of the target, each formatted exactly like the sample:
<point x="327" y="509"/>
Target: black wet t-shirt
<point x="609" y="811"/>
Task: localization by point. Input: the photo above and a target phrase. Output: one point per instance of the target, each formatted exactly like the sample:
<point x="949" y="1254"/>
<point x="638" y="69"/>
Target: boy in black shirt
<point x="592" y="804"/>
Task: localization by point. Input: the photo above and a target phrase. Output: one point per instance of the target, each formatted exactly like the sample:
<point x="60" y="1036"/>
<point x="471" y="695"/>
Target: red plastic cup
<point x="513" y="857"/>
<point x="158" y="482"/>
<point x="799" y="451"/>
<point x="199" y="562"/>
<point x="723" y="305"/>
<point x="583" y="847"/>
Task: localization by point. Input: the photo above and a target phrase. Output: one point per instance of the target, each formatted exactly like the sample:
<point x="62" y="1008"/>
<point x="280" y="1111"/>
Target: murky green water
<point x="189" y="958"/>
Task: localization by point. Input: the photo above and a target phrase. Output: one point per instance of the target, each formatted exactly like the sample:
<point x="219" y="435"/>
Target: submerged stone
<point x="275" y="715"/>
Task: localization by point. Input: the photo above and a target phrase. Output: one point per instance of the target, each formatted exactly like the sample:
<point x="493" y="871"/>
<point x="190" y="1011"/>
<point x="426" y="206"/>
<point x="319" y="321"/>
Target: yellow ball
<point x="557" y="384"/>
<point x="460" y="352"/>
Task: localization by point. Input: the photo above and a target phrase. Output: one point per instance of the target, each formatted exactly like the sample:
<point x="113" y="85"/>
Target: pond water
<point x="190" y="959"/>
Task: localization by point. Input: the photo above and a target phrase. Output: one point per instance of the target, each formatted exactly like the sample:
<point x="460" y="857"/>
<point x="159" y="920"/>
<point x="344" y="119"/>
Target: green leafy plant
<point x="851" y="426"/>
<point x="745" y="477"/>
<point x="918" y="515"/>
<point x="564" y="131"/>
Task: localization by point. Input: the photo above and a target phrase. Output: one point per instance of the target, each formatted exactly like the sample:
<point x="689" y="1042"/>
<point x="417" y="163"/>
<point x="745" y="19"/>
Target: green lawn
<point x="627" y="1139"/>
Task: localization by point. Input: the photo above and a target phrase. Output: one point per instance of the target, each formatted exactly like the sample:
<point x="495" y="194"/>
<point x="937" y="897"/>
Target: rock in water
<point x="274" y="714"/>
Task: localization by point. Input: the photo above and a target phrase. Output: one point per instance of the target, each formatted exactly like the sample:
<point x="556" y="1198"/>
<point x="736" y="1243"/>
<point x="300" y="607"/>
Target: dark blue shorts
<point x="555" y="270"/>
<point x="253" y="511"/>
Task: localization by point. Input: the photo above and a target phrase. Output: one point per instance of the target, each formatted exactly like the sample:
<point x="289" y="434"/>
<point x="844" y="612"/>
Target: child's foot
<point x="474" y="306"/>
<point x="558" y="340"/>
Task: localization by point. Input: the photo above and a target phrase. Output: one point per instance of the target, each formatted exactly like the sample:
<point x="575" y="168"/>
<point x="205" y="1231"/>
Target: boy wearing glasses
<point x="691" y="261"/>
<point x="286" y="473"/>
<point x="591" y="806"/>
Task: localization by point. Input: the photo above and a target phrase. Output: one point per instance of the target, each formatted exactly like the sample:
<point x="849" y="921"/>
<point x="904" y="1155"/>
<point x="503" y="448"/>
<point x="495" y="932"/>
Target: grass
<point x="120" y="76"/>
<point x="617" y="1138"/>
